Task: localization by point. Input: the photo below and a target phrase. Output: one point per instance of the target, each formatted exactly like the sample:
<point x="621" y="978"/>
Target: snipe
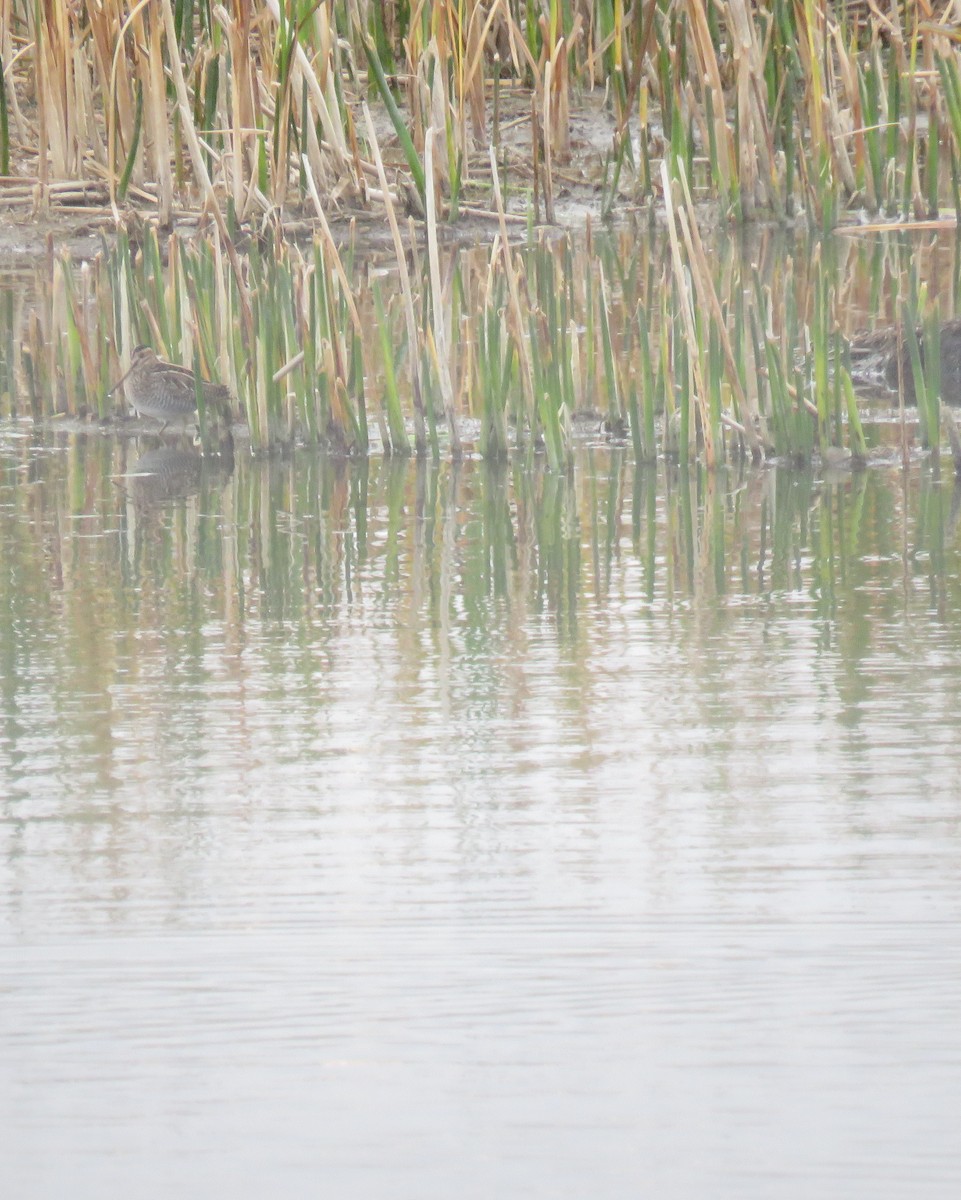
<point x="168" y="392"/>
<point x="882" y="357"/>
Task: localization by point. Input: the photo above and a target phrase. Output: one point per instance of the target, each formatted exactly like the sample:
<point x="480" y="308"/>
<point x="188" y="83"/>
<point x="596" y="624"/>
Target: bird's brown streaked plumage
<point x="882" y="357"/>
<point x="167" y="392"/>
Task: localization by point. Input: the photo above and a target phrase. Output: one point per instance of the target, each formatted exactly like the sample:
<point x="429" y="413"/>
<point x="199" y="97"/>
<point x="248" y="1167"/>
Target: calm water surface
<point x="405" y="831"/>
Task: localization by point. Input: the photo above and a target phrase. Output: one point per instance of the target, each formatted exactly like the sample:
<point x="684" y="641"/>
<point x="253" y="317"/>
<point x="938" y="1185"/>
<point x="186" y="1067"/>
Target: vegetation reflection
<point x="166" y="539"/>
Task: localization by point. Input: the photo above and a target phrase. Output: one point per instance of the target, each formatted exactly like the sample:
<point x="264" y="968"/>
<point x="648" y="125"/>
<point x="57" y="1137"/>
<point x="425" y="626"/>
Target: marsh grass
<point x="253" y="108"/>
<point x="921" y="324"/>
<point x="688" y="350"/>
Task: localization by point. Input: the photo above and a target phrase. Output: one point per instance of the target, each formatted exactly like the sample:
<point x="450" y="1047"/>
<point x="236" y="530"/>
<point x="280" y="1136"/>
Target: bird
<point x="168" y="392"/>
<point x="882" y="356"/>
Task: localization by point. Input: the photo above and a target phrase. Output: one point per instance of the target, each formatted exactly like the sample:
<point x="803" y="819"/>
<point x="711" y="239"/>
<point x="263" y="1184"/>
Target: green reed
<point x="950" y="75"/>
<point x="923" y="342"/>
<point x="494" y="373"/>
<point x="393" y="429"/>
<point x="615" y="407"/>
<point x="825" y="394"/>
<point x="642" y="402"/>
<point x="695" y="354"/>
<point x="875" y="176"/>
<point x="398" y="121"/>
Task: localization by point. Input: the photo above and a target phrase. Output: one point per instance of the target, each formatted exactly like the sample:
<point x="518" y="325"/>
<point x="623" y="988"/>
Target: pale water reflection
<point x="391" y="830"/>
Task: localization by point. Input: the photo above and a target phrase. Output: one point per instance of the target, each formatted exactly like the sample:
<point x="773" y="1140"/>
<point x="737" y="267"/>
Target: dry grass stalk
<point x="330" y="246"/>
<point x="517" y="320"/>
<point x="710" y="77"/>
<point x="441" y="338"/>
<point x="756" y="139"/>
<point x="200" y="170"/>
<point x="707" y="294"/>
<point x="55" y="39"/>
<point x="420" y="434"/>
<point x="265" y="88"/>
<point x="304" y="73"/>
<point x="155" y="105"/>
<point x="479" y="27"/>
<point x="548" y="139"/>
<point x="686" y="301"/>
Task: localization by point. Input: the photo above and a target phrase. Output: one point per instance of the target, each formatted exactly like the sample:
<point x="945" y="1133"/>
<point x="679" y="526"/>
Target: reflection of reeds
<point x="458" y="549"/>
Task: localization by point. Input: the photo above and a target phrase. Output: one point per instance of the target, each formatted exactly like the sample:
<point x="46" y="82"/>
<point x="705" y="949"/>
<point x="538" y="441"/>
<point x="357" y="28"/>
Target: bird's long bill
<point x="120" y="382"/>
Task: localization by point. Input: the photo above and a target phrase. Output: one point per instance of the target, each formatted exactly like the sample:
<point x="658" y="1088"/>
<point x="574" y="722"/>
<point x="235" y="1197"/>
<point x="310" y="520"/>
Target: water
<point x="405" y="831"/>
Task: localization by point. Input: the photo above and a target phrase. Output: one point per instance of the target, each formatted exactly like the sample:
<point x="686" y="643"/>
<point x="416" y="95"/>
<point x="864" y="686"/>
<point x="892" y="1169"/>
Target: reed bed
<point x="252" y="108"/>
<point x="691" y="350"/>
<point x="254" y="115"/>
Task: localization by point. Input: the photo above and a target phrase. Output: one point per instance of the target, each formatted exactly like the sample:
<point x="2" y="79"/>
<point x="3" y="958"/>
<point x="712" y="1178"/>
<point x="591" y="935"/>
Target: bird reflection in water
<point x="169" y="473"/>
